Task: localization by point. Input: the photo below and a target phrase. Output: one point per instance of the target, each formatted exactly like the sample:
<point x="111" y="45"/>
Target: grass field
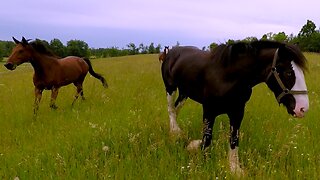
<point x="123" y="132"/>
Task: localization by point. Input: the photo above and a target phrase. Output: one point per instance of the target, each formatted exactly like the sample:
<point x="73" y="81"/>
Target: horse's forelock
<point x="289" y="49"/>
<point x="298" y="56"/>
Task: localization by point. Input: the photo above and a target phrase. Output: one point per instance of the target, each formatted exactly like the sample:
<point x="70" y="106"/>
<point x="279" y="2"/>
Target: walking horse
<point x="50" y="71"/>
<point x="222" y="81"/>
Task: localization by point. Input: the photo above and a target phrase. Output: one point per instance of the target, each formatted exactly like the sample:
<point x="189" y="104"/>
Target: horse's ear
<point x="16" y="41"/>
<point x="24" y="41"/>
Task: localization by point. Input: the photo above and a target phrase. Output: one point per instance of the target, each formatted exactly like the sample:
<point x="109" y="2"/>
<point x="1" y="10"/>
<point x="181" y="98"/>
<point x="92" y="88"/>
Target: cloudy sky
<point x="107" y="23"/>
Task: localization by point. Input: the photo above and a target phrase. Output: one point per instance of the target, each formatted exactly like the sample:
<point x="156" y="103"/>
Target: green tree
<point x="8" y="46"/>
<point x="212" y="46"/>
<point x="44" y="42"/>
<point x="249" y="39"/>
<point x="267" y="36"/>
<point x="230" y="42"/>
<point x="307" y="37"/>
<point x="2" y="49"/>
<point x="132" y="49"/>
<point x="143" y="49"/>
<point x="151" y="49"/>
<point x="58" y="48"/>
<point x="308" y="29"/>
<point x="280" y="37"/>
<point x="158" y="49"/>
<point x="77" y="48"/>
<point x="314" y="42"/>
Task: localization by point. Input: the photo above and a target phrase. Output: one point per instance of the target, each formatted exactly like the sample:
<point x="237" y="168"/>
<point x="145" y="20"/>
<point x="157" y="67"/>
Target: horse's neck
<point x="245" y="73"/>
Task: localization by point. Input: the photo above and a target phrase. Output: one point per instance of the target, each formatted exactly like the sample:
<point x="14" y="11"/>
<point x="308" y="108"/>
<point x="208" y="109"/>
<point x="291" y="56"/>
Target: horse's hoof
<point x="234" y="163"/>
<point x="194" y="145"/>
<point x="237" y="171"/>
<point x="176" y="131"/>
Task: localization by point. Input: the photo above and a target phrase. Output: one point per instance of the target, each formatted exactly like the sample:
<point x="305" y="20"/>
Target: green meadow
<point x="123" y="132"/>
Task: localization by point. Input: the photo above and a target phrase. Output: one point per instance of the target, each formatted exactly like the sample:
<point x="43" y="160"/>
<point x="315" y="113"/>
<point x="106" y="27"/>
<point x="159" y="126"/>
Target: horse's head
<point x="286" y="80"/>
<point x="21" y="53"/>
<point x="163" y="55"/>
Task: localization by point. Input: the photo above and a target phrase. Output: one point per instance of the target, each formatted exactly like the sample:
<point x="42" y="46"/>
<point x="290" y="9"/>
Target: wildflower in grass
<point x="105" y="148"/>
<point x="92" y="125"/>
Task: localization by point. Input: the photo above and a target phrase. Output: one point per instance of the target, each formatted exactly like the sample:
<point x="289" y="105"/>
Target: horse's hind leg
<point x="79" y="92"/>
<point x="174" y="128"/>
<point x="54" y="94"/>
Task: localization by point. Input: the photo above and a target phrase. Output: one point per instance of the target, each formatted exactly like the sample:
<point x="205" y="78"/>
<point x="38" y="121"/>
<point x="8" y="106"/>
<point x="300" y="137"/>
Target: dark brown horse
<point x="222" y="82"/>
<point x="51" y="72"/>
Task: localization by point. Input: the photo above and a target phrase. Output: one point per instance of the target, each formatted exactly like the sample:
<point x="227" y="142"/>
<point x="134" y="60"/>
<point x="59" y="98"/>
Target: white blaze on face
<point x="166" y="51"/>
<point x="302" y="100"/>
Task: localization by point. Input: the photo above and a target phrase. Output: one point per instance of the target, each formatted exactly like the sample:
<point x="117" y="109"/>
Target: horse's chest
<point x="44" y="83"/>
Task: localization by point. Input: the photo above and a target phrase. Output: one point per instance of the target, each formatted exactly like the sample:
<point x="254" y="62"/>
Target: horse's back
<point x="73" y="68"/>
<point x="184" y="68"/>
<point x="185" y="60"/>
<point x="74" y="62"/>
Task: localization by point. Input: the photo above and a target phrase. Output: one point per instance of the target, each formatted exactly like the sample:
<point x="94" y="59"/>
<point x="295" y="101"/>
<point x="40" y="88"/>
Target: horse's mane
<point x="40" y="47"/>
<point x="287" y="49"/>
<point x="226" y="53"/>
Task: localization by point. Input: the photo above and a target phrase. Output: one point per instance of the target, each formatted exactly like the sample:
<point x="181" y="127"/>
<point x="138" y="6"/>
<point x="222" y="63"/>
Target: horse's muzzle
<point x="299" y="113"/>
<point x="9" y="66"/>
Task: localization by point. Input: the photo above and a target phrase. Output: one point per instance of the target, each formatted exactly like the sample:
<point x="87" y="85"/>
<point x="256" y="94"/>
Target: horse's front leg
<point x="208" y="121"/>
<point x="38" y="95"/>
<point x="235" y="122"/>
<point x="54" y="94"/>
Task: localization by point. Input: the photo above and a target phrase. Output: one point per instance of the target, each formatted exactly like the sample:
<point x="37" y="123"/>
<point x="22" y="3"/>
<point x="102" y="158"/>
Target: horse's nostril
<point x="302" y="110"/>
<point x="8" y="65"/>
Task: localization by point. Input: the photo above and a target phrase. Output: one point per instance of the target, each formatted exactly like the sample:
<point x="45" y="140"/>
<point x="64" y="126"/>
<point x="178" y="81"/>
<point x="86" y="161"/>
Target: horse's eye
<point x="289" y="74"/>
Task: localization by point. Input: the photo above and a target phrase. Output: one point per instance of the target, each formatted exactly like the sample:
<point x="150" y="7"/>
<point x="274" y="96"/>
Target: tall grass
<point x="123" y="132"/>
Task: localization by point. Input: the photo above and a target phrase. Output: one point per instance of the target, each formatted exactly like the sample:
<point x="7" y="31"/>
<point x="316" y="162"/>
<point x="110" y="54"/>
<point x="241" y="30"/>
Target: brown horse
<point x="51" y="72"/>
<point x="162" y="56"/>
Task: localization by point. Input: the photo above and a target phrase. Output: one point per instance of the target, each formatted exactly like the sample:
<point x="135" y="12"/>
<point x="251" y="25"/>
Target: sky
<point x="116" y="23"/>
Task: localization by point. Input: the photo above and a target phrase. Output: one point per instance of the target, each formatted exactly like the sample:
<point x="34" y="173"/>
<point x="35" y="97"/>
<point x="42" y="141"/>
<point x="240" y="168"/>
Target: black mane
<point x="40" y="47"/>
<point x="226" y="53"/>
<point x="290" y="50"/>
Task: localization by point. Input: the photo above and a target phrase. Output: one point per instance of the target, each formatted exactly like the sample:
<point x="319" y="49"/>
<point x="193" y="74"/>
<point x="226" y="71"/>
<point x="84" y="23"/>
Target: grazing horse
<point x="51" y="72"/>
<point x="222" y="81"/>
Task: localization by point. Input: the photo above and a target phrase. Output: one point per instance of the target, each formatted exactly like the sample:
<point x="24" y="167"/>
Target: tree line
<point x="308" y="39"/>
<point x="80" y="48"/>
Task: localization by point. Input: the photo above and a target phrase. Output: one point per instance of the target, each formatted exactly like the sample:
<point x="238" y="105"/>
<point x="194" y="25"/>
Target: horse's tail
<point x="94" y="74"/>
